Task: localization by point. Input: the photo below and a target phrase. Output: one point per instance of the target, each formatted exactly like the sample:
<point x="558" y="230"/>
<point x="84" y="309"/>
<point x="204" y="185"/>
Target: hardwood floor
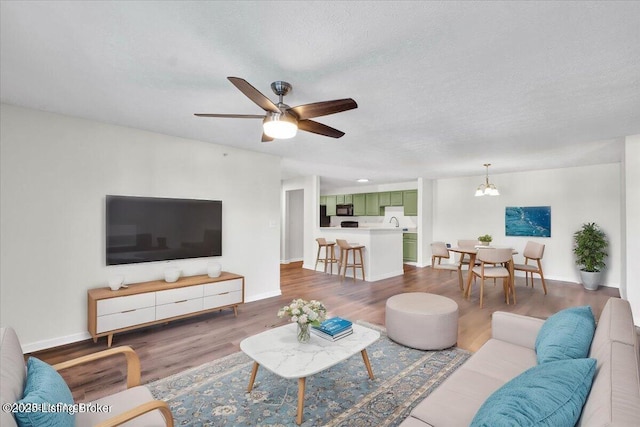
<point x="167" y="349"/>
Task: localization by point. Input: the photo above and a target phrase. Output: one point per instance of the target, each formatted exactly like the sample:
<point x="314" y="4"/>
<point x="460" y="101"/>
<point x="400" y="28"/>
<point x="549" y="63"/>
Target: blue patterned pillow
<point x="566" y="335"/>
<point x="551" y="394"/>
<point x="44" y="386"/>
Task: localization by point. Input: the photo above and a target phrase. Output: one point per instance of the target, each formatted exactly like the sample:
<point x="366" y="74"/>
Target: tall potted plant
<point x="590" y="249"/>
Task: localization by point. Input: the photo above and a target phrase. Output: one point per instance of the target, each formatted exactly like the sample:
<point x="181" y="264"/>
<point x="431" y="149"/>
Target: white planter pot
<point x="591" y="280"/>
<point x="214" y="269"/>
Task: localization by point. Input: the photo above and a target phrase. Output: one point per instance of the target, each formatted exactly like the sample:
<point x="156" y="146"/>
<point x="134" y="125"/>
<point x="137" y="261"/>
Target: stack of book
<point x="333" y="329"/>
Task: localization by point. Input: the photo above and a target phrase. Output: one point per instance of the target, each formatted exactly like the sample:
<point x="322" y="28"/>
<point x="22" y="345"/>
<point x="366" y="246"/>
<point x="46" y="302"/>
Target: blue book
<point x="334" y="326"/>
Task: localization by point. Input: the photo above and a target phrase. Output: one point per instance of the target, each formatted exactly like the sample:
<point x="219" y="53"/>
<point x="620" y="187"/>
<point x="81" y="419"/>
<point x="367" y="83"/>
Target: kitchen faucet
<point x="397" y="222"/>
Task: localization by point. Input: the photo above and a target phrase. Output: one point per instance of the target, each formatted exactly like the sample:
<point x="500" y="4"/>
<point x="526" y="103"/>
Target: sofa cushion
<point x="456" y="401"/>
<point x="566" y="335"/>
<point x="551" y="394"/>
<point x="124" y="401"/>
<point x="44" y="387"/>
<point x="14" y="373"/>
<point x="615" y="393"/>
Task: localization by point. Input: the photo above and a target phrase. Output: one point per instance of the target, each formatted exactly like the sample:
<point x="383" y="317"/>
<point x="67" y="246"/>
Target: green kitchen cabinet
<point x="359" y="204"/>
<point x="323" y="200"/>
<point x="348" y="199"/>
<point x="410" y="202"/>
<point x="395" y="198"/>
<point x="340" y="199"/>
<point x="372" y="202"/>
<point x="384" y="198"/>
<point x="410" y="247"/>
<point x="331" y="205"/>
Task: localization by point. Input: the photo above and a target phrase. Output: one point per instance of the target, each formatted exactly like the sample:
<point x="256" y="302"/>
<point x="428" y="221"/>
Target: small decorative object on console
<point x="171" y="274"/>
<point x="304" y="313"/>
<point x="116" y="282"/>
<point x="214" y="269"/>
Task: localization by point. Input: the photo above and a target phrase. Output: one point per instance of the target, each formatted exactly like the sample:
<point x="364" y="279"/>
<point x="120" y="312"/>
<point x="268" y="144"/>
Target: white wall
<point x="294" y="227"/>
<point x="576" y="195"/>
<point x="55" y="173"/>
<point x="310" y="185"/>
<point x="632" y="224"/>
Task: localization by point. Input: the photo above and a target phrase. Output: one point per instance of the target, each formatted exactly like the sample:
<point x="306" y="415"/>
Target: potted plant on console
<point x="590" y="249"/>
<point x="485" y="240"/>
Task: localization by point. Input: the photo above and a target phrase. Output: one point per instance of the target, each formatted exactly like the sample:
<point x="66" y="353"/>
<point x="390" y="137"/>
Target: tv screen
<point x="143" y="229"/>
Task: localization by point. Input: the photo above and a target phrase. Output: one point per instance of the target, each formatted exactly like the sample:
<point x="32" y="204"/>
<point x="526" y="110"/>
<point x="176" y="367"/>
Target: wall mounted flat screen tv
<point x="143" y="229"/>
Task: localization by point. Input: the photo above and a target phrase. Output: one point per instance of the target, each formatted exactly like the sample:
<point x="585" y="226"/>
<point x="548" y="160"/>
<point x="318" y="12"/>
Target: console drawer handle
<point x="178" y="302"/>
<point x="128" y="311"/>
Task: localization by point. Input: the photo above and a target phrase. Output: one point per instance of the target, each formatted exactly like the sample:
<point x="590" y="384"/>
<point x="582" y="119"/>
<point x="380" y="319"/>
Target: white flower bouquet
<point x="304" y="312"/>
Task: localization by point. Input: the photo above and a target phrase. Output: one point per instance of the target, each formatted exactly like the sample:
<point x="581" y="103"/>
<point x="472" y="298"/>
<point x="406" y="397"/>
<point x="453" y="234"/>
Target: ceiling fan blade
<point x="254" y="94"/>
<point x="232" y="116"/>
<point x="324" y="108"/>
<point x="319" y="128"/>
<point x="266" y="138"/>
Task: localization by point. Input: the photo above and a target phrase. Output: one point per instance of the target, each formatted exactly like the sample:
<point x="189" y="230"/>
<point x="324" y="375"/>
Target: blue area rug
<point x="215" y="394"/>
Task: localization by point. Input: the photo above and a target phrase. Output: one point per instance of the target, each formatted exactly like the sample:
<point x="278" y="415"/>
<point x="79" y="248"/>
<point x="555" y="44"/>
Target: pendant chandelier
<point x="487" y="189"/>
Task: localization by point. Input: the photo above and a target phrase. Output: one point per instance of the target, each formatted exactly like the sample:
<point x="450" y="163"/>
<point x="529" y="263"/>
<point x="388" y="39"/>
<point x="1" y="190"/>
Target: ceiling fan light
<point x="279" y="126"/>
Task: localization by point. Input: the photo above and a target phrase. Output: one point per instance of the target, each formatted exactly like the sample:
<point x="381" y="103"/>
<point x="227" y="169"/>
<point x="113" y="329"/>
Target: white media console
<point x="150" y="303"/>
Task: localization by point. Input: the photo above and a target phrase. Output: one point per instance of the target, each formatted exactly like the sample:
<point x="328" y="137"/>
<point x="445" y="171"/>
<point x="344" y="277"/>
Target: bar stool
<point x="329" y="254"/>
<point x="345" y="249"/>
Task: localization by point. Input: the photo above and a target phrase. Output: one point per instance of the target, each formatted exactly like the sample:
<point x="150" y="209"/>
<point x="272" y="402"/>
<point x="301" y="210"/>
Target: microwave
<point x="344" y="210"/>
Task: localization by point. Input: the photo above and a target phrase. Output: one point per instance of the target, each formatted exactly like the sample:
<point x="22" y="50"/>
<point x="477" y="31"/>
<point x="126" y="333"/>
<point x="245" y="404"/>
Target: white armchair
<point x="134" y="406"/>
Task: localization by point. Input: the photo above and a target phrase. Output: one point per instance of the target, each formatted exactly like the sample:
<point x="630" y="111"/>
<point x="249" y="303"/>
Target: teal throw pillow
<point x="566" y="335"/>
<point x="45" y="393"/>
<point x="551" y="394"/>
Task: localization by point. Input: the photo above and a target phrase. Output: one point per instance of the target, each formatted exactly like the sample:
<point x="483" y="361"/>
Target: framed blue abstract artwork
<point x="534" y="221"/>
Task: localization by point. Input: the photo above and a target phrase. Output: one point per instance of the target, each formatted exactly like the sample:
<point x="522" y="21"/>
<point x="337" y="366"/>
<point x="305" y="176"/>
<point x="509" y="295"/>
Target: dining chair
<point x="467" y="244"/>
<point x="533" y="251"/>
<point x="493" y="265"/>
<point x="439" y="252"/>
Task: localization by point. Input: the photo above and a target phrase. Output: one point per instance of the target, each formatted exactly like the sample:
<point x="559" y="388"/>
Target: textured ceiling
<point x="442" y="87"/>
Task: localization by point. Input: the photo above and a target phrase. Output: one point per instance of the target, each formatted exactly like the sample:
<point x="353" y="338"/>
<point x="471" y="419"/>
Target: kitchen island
<point x="382" y="252"/>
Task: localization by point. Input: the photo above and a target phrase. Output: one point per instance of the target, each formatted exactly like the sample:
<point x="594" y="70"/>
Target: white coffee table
<point x="279" y="351"/>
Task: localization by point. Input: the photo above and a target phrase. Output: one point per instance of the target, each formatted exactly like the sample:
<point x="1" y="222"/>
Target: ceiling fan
<point x="282" y="121"/>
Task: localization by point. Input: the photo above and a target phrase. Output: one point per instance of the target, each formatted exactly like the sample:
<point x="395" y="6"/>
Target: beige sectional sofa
<point x="614" y="399"/>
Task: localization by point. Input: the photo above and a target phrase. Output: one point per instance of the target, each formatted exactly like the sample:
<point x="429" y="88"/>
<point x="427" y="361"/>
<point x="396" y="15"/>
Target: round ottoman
<point x="421" y="320"/>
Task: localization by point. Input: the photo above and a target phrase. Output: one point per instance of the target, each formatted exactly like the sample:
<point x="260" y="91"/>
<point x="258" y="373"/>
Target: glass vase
<point x="304" y="334"/>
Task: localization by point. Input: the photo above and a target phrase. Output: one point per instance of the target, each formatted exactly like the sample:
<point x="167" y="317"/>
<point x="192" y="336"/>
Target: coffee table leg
<point x="254" y="371"/>
<point x="365" y="357"/>
<point x="301" y="384"/>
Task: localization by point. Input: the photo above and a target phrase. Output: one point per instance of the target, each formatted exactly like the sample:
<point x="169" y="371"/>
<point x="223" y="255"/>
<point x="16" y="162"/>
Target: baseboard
<point x="263" y="296"/>
<point x="82" y="336"/>
<point x="54" y="342"/>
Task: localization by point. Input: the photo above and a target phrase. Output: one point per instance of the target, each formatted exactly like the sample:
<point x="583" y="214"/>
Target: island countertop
<point x="382" y="252"/>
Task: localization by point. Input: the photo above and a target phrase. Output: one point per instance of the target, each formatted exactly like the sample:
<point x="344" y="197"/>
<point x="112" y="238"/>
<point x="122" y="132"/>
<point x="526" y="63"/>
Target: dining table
<point x="473" y="252"/>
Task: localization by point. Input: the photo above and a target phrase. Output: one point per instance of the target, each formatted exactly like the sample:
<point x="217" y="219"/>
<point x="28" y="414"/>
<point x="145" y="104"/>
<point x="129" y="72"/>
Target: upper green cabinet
<point x="373" y="204"/>
<point x="410" y="202"/>
<point x="359" y="205"/>
<point x="395" y="198"/>
<point x="384" y="198"/>
<point x="331" y="205"/>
